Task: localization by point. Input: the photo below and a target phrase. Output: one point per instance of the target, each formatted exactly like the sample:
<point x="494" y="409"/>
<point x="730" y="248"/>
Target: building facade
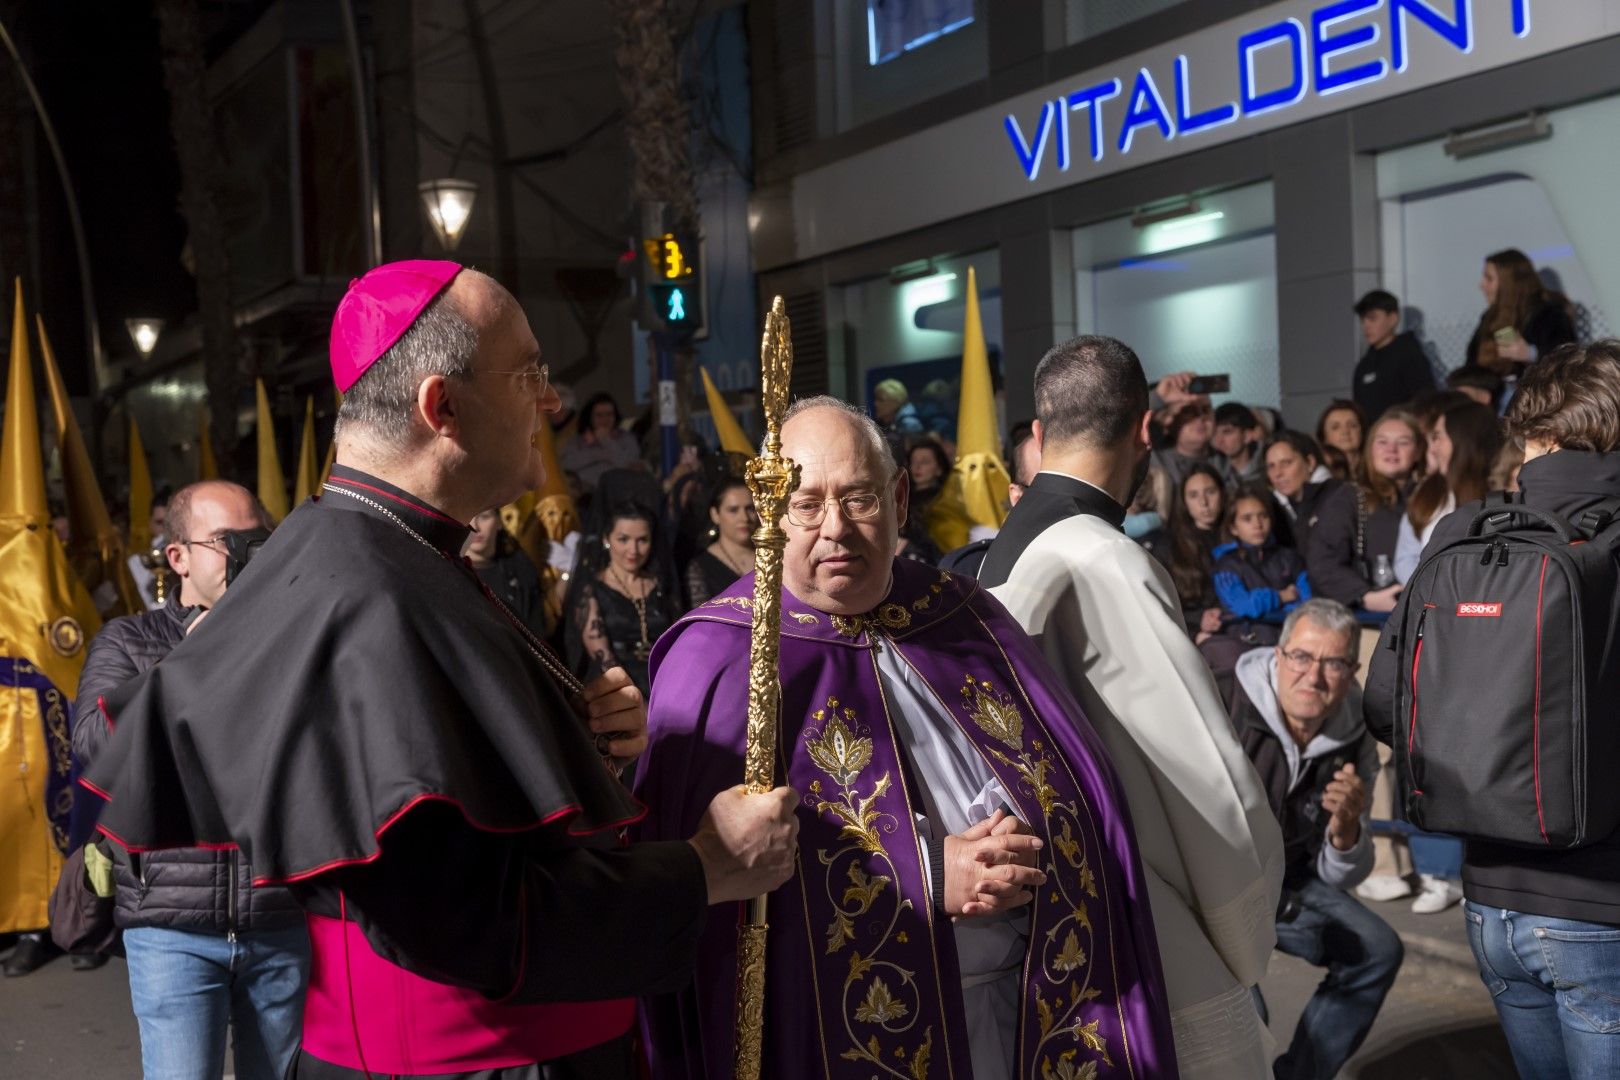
<point x="1214" y="181"/>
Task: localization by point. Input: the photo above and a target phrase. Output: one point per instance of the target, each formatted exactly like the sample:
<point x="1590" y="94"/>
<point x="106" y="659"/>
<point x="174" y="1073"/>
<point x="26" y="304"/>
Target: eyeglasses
<point x="807" y="513"/>
<point x="209" y="543"/>
<point x="537" y="379"/>
<point x="1299" y="662"/>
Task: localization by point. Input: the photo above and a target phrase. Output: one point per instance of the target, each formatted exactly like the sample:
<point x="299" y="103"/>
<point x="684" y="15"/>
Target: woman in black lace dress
<point x="713" y="569"/>
<point x="623" y="599"/>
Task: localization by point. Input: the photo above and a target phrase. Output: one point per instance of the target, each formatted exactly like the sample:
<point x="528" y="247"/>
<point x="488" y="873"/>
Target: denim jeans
<point x="187" y="988"/>
<point x="1361" y="953"/>
<point x="1556" y="985"/>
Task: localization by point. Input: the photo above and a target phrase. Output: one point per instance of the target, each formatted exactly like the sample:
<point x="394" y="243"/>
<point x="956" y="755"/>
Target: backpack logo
<point x="1492" y="611"/>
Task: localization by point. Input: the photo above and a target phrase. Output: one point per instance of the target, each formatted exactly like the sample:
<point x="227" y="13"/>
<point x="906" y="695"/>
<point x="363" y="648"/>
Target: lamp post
<point x="144" y="333"/>
<point x="449" y="204"/>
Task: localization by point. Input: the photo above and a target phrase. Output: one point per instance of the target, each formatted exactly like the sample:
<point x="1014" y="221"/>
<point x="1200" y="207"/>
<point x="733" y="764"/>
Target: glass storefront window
<point x="911" y="330"/>
<point x="888" y="55"/>
<point x="1196" y="292"/>
<point x="1550" y="199"/>
<point x="899" y="26"/>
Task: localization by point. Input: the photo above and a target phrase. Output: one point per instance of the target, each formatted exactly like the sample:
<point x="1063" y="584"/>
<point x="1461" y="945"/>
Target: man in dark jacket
<point x="206" y="950"/>
<point x="1394" y="369"/>
<point x="1545" y="924"/>
<point x="1298" y="717"/>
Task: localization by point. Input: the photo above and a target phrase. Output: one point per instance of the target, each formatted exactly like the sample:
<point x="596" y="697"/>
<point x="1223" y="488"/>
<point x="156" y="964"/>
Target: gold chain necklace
<point x="541" y="651"/>
<point x="725" y="557"/>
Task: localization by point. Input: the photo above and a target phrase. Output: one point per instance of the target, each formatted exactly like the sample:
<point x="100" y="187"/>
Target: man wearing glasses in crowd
<point x="206" y="949"/>
<point x="1298" y="716"/>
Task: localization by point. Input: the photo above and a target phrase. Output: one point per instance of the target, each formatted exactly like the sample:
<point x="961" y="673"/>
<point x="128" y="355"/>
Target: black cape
<point x="350" y="673"/>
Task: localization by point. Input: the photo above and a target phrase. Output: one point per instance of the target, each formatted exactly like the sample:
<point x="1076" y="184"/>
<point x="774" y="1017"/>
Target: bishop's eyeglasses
<point x="807" y="513"/>
<point x="536" y="379"/>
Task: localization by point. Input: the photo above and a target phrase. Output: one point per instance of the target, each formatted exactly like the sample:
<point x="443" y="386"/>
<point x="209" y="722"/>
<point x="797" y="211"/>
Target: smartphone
<point x="1210" y="384"/>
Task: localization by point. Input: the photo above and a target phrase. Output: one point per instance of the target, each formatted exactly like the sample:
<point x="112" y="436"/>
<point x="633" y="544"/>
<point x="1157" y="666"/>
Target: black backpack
<point x="1507" y="694"/>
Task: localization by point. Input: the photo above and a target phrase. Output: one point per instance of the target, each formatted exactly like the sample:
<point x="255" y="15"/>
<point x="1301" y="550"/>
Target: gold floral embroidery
<point x="1065" y="960"/>
<point x="999" y="719"/>
<point x="837" y="752"/>
<point x="746" y="603"/>
<point x="876" y="990"/>
<point x="926" y="600"/>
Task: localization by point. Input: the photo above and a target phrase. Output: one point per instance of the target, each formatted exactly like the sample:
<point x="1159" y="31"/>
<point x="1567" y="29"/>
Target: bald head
<point x="843" y="563"/>
<point x="813" y="418"/>
<point x="200" y="516"/>
<point x="238" y="501"/>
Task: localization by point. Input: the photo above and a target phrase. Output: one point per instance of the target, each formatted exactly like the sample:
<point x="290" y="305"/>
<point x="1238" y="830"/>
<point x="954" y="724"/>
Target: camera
<point x="240" y="547"/>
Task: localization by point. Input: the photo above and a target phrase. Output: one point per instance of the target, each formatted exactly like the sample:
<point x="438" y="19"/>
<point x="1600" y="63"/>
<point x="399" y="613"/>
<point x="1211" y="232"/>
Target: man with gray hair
<point x="1297" y="712"/>
<point x="971" y="894"/>
<point x="372" y="728"/>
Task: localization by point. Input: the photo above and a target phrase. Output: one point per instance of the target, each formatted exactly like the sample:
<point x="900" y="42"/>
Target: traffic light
<point x="673" y="282"/>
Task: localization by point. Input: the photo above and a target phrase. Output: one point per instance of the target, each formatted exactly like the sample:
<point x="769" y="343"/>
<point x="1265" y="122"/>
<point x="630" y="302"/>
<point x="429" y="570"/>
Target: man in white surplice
<point x="1107" y="616"/>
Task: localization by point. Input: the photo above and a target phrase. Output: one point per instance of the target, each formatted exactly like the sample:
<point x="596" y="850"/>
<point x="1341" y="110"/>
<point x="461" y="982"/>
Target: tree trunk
<point x="197" y="148"/>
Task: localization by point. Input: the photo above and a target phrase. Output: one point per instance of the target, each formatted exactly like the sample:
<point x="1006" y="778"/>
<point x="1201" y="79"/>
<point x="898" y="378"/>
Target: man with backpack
<point x="1498" y="682"/>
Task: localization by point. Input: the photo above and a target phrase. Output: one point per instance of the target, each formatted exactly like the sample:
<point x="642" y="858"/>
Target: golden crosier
<point x="771" y="479"/>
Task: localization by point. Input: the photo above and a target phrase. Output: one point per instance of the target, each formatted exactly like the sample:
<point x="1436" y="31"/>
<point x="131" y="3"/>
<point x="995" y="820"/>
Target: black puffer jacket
<point x="186" y="888"/>
<point x="1330" y="553"/>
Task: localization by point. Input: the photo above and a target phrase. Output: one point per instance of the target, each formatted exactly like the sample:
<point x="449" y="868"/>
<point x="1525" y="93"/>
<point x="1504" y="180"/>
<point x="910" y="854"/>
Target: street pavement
<point x="1437" y="1024"/>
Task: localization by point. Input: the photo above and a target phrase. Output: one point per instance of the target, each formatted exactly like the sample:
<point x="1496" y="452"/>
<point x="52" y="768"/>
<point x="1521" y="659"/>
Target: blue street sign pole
<point x="664" y="343"/>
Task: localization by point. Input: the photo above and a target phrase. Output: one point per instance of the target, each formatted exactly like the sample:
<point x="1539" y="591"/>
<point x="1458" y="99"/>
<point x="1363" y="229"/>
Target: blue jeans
<point x="1361" y="953"/>
<point x="1556" y="985"/>
<point x="187" y="988"/>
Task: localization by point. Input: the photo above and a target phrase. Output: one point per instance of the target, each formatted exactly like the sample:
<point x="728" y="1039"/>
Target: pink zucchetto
<point x="377" y="310"/>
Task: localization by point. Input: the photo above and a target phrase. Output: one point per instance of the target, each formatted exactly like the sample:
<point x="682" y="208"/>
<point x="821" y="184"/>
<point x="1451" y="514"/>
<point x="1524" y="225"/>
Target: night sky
<point x="98" y="67"/>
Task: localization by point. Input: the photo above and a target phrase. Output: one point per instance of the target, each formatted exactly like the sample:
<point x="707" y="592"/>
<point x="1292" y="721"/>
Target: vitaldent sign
<point x="1285" y="63"/>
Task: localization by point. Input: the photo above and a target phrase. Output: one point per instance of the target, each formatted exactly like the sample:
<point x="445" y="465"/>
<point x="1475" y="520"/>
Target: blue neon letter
<point x="1459" y="31"/>
<point x="1094" y="96"/>
<point x="1030" y="157"/>
<point x="1188" y="122"/>
<point x="1521" y="18"/>
<point x="1290" y="31"/>
<point x="1062" y="135"/>
<point x="1146" y="107"/>
<point x="1327" y="45"/>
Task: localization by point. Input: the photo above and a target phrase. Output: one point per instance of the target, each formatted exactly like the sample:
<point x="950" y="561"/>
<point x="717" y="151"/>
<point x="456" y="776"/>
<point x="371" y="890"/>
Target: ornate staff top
<point x="771" y="479"/>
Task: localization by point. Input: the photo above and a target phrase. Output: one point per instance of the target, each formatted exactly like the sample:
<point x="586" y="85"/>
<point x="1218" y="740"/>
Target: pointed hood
<point x="975" y="494"/>
<point x="98" y="550"/>
<point x="140" y="492"/>
<point x="46" y="617"/>
<point x="308" y="480"/>
<point x="272" y="481"/>
<point x="22" y="464"/>
<point x="731" y="434"/>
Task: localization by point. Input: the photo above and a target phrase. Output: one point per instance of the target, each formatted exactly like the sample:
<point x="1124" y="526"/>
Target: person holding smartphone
<point x="1523" y="320"/>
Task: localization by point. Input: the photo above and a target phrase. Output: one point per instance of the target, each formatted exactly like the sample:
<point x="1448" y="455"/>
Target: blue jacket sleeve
<point x="1242" y="602"/>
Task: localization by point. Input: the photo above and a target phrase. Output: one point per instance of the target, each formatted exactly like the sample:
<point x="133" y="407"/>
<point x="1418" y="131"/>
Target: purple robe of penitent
<point x="861" y="972"/>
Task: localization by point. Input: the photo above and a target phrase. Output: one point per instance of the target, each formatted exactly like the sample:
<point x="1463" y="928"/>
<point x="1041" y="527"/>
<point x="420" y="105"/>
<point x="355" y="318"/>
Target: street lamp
<point x="144" y="333"/>
<point x="449" y="206"/>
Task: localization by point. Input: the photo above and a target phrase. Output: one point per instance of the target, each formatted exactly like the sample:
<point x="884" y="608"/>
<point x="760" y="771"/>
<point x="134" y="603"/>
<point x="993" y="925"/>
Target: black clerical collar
<point x="1092" y="499"/>
<point x="438" y="528"/>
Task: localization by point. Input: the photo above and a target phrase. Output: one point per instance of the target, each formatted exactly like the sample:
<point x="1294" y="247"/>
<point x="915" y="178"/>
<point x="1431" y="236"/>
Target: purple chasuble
<point x="861" y="972"/>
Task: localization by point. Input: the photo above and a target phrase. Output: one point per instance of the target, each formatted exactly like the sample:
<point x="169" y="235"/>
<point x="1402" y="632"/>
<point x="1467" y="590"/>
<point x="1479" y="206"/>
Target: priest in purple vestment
<point x="969" y="901"/>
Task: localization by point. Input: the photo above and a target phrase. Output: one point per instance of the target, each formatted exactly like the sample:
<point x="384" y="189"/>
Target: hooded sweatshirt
<point x="1294" y="777"/>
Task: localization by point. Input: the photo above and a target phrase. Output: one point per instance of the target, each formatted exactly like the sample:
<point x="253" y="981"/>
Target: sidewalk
<point x="1436" y="1024"/>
